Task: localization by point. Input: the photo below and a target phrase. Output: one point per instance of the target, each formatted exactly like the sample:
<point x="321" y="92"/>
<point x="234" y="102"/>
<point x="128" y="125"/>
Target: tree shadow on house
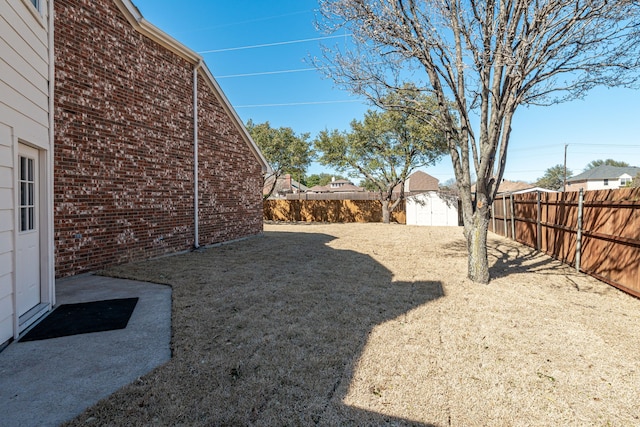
<point x="266" y="331"/>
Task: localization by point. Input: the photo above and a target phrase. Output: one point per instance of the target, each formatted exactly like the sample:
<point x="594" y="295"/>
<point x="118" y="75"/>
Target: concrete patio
<point x="47" y="382"/>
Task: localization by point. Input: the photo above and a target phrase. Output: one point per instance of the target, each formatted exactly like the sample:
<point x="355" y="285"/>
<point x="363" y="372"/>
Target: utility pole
<point x="564" y="182"/>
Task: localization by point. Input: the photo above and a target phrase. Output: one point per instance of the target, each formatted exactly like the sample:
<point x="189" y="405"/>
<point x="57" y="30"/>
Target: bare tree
<point x="481" y="59"/>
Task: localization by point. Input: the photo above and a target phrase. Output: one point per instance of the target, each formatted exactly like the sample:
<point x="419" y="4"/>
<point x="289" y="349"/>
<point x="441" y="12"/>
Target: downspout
<point x="51" y="148"/>
<point x="196" y="200"/>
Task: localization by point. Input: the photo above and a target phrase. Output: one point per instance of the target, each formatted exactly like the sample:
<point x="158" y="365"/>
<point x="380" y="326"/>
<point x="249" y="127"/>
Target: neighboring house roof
<point x="338" y="186"/>
<point x="319" y="189"/>
<point x="509" y="186"/>
<point x="534" y="189"/>
<point x="419" y="182"/>
<point x="605" y="172"/>
<point x="284" y="184"/>
<point x="135" y="18"/>
<point x="513" y="186"/>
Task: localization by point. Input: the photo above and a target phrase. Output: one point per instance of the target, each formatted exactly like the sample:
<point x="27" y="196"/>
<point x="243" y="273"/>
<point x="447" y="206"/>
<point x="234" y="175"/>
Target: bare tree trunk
<point x="386" y="212"/>
<point x="273" y="185"/>
<point x="476" y="234"/>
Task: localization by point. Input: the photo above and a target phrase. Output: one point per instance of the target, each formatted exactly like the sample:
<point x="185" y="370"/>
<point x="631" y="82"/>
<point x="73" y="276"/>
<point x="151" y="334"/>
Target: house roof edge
<point x="135" y="18"/>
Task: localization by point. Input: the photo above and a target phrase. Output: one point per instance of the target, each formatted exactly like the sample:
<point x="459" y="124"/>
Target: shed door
<point x="28" y="244"/>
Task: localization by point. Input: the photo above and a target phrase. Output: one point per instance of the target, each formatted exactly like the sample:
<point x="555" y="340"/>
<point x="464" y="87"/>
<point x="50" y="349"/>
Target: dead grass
<point x="367" y="324"/>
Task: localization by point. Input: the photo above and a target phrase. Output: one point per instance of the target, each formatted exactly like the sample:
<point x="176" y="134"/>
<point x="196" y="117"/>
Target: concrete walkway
<point x="47" y="382"/>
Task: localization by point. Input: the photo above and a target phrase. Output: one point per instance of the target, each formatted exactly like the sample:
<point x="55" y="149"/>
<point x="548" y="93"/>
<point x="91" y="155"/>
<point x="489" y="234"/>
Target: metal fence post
<point x="504" y="215"/>
<point x="513" y="218"/>
<point x="579" y="231"/>
<point x="539" y="224"/>
<point x="493" y="216"/>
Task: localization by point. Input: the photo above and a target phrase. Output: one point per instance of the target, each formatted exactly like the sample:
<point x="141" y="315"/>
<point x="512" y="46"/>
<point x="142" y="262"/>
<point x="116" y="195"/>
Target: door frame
<point x="45" y="218"/>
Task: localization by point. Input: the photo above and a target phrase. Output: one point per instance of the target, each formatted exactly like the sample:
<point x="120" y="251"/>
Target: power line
<point x="603" y="145"/>
<point x="265" y="73"/>
<point x="273" y="44"/>
<point x="247" y="21"/>
<point x="297" y="103"/>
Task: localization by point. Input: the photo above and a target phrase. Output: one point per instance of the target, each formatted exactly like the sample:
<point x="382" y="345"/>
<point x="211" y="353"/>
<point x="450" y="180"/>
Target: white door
<point x="28" y="244"/>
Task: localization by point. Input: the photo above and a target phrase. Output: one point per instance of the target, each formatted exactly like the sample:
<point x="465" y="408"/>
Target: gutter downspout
<point x="196" y="200"/>
<point x="51" y="148"/>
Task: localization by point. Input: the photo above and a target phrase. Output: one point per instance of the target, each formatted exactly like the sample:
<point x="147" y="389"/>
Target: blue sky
<point x="606" y="124"/>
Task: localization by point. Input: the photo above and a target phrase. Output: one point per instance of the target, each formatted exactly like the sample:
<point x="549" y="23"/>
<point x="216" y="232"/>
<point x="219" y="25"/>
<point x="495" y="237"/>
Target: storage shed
<point x="433" y="208"/>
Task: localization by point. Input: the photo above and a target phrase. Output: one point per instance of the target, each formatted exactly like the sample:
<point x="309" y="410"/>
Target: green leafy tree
<point x="321" y="179"/>
<point x="384" y="148"/>
<point x="608" y="162"/>
<point x="368" y="185"/>
<point x="482" y="60"/>
<point x="553" y="178"/>
<point x="286" y="152"/>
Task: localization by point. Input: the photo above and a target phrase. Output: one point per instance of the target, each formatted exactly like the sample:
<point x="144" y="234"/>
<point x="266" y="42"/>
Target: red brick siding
<point x="123" y="172"/>
<point x="230" y="177"/>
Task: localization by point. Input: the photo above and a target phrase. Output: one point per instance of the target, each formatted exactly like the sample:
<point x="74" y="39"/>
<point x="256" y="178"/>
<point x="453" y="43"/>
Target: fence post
<point x="579" y="231"/>
<point x="513" y="217"/>
<point x="539" y="223"/>
<point x="493" y="215"/>
<point x="504" y="215"/>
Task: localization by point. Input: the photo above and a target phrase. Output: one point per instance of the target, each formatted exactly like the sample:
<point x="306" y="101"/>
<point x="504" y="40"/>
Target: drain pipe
<point x="50" y="160"/>
<point x="196" y="201"/>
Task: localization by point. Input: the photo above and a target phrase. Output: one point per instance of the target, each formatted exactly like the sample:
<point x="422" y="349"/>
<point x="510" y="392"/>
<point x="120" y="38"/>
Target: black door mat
<point x="83" y="318"/>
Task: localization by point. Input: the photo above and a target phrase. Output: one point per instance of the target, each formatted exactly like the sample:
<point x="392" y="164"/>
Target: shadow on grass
<point x="507" y="257"/>
<point x="510" y="257"/>
<point x="265" y="332"/>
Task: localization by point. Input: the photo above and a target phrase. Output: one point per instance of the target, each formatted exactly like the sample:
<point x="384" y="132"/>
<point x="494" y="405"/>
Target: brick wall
<point x="230" y="179"/>
<point x="123" y="187"/>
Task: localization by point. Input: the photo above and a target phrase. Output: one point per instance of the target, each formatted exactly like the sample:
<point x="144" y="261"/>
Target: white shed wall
<point x="431" y="209"/>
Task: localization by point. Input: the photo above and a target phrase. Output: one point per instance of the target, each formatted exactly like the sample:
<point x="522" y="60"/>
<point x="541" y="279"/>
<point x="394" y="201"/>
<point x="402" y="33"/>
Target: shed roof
<point x="417" y="182"/>
<point x="421" y="181"/>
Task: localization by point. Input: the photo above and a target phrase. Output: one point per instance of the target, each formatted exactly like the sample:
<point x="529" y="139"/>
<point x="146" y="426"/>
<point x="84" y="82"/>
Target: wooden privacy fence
<point x="330" y="211"/>
<point x="598" y="232"/>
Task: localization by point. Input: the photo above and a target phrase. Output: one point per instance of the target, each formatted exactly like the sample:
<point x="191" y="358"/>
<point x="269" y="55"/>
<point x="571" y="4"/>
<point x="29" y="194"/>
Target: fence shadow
<point x="610" y="236"/>
<point x="507" y="257"/>
<point x="266" y="332"/>
<point x="611" y="240"/>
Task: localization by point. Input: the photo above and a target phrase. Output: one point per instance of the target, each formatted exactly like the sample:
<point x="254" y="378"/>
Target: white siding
<point x="598" y="184"/>
<point x="6" y="306"/>
<point x="24" y="117"/>
<point x="431" y="209"/>
<point x="24" y="70"/>
<point x="6" y="234"/>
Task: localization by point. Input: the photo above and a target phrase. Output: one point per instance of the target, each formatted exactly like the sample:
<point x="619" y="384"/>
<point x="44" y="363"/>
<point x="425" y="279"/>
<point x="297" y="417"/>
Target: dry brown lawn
<point x="372" y="324"/>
